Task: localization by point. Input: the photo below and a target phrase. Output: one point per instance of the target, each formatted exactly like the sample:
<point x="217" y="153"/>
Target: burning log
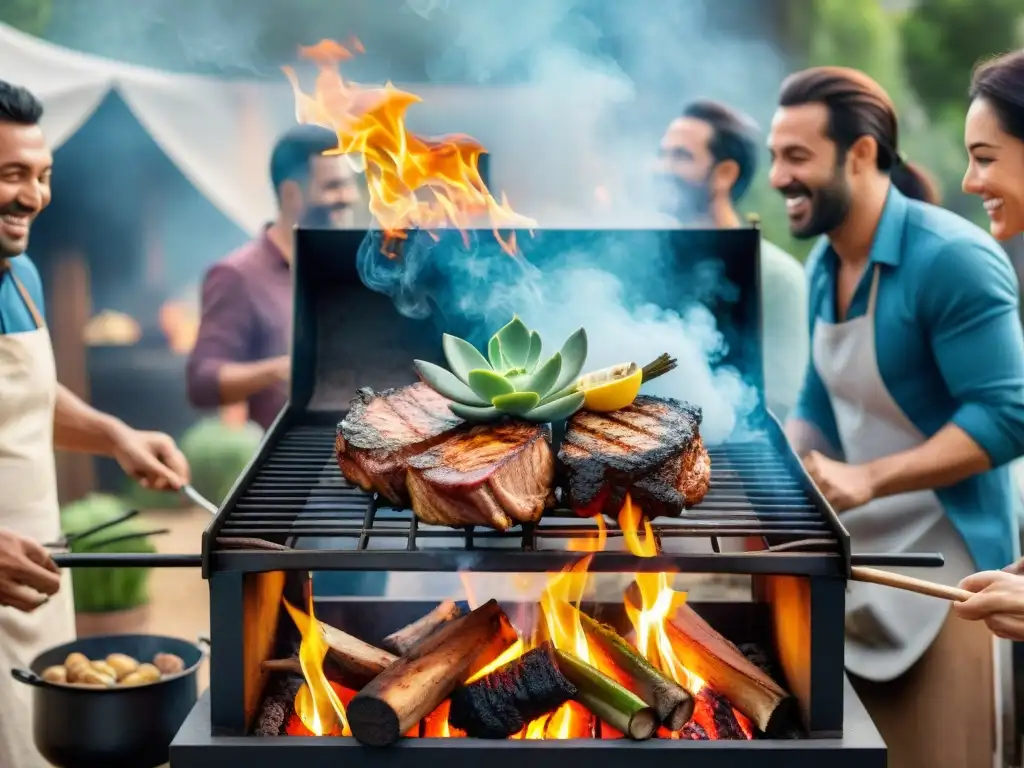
<point x="671" y="702"/>
<point x="613" y="704"/>
<point x="501" y="703"/>
<point x="414" y="685"/>
<point x="358" y="662"/>
<point x="723" y="667"/>
<point x="401" y="641"/>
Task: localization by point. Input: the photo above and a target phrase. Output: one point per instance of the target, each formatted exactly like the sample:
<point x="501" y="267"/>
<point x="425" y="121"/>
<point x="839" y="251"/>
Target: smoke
<point x="604" y="79"/>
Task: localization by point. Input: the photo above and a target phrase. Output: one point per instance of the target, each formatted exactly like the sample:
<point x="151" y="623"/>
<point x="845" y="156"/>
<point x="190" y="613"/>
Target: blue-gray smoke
<point x="618" y="73"/>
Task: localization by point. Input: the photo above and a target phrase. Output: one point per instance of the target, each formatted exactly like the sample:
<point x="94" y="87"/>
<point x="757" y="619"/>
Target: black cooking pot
<point x="129" y="727"/>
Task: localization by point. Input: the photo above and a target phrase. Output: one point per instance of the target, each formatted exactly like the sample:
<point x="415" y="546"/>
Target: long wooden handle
<point x="908" y="583"/>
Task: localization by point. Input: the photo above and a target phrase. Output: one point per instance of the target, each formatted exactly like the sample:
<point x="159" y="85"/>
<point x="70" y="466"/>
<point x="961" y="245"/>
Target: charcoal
<point x="693" y="731"/>
<point x="726" y="724"/>
<point x="277" y="706"/>
<point x="757" y="656"/>
<point x="503" y="702"/>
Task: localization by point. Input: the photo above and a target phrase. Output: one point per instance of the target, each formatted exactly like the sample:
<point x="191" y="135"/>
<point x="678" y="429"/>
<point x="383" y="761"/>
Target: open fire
<point x="672" y="677"/>
<point x="413" y="182"/>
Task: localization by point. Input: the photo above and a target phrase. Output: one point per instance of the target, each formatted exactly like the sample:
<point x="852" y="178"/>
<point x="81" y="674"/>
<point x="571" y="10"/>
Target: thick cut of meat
<point x="383" y="430"/>
<point x="494" y="475"/>
<point x="651" y="450"/>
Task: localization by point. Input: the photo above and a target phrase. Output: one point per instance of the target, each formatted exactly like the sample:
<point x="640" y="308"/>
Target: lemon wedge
<point x="611" y="389"/>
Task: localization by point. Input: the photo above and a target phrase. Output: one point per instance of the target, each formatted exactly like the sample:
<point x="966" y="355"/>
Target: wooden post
<point x="69" y="307"/>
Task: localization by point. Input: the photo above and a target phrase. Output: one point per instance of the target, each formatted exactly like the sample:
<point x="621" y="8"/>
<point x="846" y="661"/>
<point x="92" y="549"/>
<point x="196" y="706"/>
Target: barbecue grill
<point x="292" y="512"/>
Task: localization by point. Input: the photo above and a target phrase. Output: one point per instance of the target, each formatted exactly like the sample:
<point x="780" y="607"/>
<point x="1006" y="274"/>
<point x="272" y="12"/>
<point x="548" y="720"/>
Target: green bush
<point x="217" y="453"/>
<point x="103" y="590"/>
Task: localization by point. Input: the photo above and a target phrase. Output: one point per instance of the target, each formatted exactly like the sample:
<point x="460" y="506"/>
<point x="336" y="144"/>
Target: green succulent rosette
<point x="511" y="380"/>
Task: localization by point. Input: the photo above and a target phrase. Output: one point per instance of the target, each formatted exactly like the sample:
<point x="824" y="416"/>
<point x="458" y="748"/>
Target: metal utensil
<point x="198" y="499"/>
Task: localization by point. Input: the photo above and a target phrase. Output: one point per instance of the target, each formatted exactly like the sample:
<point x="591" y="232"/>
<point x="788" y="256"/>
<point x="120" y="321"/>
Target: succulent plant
<point x="511" y="380"/>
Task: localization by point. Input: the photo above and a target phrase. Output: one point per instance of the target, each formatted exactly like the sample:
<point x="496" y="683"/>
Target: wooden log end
<point x="373" y="722"/>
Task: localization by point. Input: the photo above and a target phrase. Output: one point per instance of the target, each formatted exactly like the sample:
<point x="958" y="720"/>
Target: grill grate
<point x="296" y="498"/>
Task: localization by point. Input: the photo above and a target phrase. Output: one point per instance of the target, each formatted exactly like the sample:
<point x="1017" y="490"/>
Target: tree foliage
<point x="942" y="41"/>
<point x="31" y="16"/>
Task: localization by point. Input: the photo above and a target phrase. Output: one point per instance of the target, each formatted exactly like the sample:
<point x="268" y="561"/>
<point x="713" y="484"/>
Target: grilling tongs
<point x="133" y="559"/>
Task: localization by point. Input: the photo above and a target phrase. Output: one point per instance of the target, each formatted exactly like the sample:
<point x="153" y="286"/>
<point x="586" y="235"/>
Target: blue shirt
<point x="15" y="316"/>
<point x="950" y="350"/>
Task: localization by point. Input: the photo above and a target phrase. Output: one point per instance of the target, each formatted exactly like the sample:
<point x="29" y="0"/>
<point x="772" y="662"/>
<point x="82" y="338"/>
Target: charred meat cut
<point x="493" y="475"/>
<point x="383" y="430"/>
<point x="651" y="450"/>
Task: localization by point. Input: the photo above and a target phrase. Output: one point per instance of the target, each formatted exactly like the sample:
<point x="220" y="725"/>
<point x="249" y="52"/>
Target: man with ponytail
<point x="911" y="408"/>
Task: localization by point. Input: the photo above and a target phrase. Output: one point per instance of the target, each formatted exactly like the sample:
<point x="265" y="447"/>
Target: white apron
<point x="887" y="630"/>
<point x="28" y="506"/>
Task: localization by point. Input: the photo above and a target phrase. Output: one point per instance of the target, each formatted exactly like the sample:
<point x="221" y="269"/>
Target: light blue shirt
<point x="15" y="316"/>
<point x="950" y="350"/>
<point x="785" y="343"/>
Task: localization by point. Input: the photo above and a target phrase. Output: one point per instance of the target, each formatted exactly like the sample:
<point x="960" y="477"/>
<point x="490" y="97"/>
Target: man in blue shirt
<point x="912" y="404"/>
<point x="36" y="415"/>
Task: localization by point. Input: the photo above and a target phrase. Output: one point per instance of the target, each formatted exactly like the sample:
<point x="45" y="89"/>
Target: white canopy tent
<point x="217" y="132"/>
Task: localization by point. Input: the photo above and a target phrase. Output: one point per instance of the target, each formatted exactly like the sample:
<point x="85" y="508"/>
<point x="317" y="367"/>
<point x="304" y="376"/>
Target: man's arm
<point x="80" y="428"/>
<point x="969" y="307"/>
<point x="811" y="425"/>
<point x="219" y="371"/>
<point x="152" y="458"/>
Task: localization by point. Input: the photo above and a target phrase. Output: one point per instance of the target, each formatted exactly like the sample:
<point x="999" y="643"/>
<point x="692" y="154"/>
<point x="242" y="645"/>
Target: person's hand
<point x="998" y="601"/>
<point x="28" y="575"/>
<point x="844" y="486"/>
<point x="152" y="459"/>
<point x="1016" y="568"/>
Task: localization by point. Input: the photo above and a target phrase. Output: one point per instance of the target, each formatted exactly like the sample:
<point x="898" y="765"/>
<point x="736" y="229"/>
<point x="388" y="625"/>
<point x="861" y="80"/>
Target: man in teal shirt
<point x="709" y="157"/>
<point x="912" y="405"/>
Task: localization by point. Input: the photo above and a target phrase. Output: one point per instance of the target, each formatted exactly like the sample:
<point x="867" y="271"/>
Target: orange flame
<point x="413" y="182"/>
<point x="659" y="601"/>
<point x="317" y="703"/>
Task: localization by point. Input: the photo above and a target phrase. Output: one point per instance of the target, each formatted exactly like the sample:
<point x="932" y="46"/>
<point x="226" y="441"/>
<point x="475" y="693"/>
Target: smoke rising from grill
<point x="604" y="78"/>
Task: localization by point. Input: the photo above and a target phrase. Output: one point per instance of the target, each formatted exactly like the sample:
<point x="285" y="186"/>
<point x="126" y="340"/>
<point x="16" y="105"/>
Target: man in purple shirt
<point x="241" y="353"/>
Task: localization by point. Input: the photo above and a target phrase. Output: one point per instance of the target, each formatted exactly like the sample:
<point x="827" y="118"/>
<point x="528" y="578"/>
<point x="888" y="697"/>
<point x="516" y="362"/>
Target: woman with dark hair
<point x="912" y="405"/>
<point x="994" y="136"/>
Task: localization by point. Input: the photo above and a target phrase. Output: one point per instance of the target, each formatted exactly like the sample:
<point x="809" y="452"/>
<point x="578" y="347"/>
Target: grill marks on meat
<point x="652" y="450"/>
<point x="495" y="475"/>
<point x="384" y="430"/>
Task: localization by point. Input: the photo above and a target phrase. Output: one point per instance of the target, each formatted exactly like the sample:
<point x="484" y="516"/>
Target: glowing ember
<point x="304" y="703"/>
<point x="317" y="703"/>
<point x="413" y="182"/>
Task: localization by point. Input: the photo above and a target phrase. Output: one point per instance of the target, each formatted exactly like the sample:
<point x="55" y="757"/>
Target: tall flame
<point x="413" y="182"/>
<point x="317" y="703"/>
<point x="659" y="601"/>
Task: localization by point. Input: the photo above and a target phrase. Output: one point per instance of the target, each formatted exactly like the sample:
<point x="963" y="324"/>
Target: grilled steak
<point x="383" y="430"/>
<point x="652" y="450"/>
<point x="494" y="475"/>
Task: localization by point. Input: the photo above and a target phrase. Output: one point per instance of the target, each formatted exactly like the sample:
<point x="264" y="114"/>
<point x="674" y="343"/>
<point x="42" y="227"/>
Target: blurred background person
<point x="241" y="353"/>
<point x="709" y="156"/>
<point x="912" y="406"/>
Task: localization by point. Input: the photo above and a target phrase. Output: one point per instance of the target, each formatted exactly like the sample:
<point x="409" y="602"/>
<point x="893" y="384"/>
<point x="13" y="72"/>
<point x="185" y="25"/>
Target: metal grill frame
<point x="364" y="519"/>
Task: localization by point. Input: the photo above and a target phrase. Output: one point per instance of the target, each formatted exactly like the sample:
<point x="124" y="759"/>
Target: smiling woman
<point x="994" y="136"/>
